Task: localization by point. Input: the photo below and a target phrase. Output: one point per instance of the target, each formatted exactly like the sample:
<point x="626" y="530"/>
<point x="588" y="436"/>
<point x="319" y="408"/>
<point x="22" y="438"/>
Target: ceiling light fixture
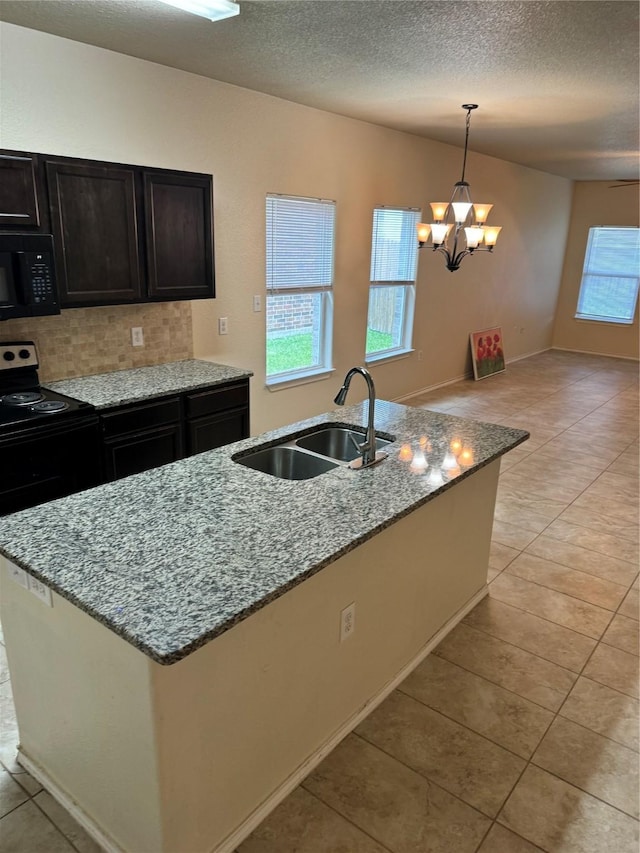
<point x="455" y="216"/>
<point x="214" y="10"/>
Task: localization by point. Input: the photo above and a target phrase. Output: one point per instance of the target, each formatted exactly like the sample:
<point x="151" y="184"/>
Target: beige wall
<point x="594" y="203"/>
<point x="66" y="98"/>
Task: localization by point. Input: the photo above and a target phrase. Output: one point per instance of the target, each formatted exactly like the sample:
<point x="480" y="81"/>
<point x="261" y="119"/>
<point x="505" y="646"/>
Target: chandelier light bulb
<point x="481" y="211"/>
<point x="461" y="210"/>
<point x="491" y="234"/>
<point x="439" y="209"/>
<point x="423" y="232"/>
<point x="439" y="233"/>
<point x="474" y="236"/>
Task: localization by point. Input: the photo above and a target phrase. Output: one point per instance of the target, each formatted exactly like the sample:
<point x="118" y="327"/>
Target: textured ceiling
<point x="557" y="82"/>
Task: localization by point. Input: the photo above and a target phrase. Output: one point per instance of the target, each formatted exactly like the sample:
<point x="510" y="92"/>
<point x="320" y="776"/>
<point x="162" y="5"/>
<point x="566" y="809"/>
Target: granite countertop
<point x="118" y="387"/>
<point x="173" y="557"/>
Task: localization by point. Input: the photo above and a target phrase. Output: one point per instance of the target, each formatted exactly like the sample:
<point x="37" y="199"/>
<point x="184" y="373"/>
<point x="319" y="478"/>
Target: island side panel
<point x="83" y="705"/>
<point x="182" y="757"/>
<point x="244" y="715"/>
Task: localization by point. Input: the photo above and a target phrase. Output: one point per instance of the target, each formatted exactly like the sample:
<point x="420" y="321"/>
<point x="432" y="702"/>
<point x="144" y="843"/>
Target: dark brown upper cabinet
<point x="95" y="233"/>
<point x="19" y="206"/>
<point x="122" y="233"/>
<point x="178" y="235"/>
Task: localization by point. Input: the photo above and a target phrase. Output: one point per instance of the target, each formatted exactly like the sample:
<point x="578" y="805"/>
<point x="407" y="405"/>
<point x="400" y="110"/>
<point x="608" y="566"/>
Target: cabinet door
<point x="179" y="235"/>
<point x="18" y="191"/>
<point x="216" y="430"/>
<point x="138" y="452"/>
<point x="93" y="219"/>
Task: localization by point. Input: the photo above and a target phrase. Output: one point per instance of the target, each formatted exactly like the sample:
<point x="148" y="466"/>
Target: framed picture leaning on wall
<point x="487" y="352"/>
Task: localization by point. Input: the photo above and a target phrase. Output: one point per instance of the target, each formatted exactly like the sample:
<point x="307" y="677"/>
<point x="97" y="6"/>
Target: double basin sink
<point x="312" y="454"/>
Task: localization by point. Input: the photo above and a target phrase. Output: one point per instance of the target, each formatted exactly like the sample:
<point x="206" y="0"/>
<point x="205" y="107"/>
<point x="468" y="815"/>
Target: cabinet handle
<point x="17" y="215"/>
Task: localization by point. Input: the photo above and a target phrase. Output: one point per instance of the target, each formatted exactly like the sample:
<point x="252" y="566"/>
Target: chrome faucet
<point x="368" y="447"/>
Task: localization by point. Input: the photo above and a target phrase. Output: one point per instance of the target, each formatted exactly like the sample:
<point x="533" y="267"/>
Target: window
<point x="300" y="238"/>
<point x="609" y="287"/>
<point x="394" y="260"/>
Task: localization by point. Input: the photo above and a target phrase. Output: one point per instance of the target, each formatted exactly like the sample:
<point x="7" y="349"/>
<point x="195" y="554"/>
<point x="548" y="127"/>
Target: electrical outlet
<point x="348" y="622"/>
<point x="420" y="355"/>
<point x="257" y="303"/>
<point x="223" y="325"/>
<point x="137" y="337"/>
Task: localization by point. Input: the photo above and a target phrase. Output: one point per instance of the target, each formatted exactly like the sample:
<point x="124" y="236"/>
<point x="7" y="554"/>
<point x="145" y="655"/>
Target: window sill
<point x="608" y="322"/>
<point x="278" y="383"/>
<point x="388" y="356"/>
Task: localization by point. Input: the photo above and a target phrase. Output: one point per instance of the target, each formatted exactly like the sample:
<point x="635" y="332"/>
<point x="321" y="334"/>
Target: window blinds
<point x="300" y="242"/>
<point x="394" y="248"/>
<point x="610" y="276"/>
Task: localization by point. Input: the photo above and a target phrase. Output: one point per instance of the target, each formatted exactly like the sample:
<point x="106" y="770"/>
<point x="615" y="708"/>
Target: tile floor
<point x="520" y="732"/>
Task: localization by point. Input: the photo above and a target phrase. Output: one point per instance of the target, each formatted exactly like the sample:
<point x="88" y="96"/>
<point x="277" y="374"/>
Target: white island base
<point x="189" y="758"/>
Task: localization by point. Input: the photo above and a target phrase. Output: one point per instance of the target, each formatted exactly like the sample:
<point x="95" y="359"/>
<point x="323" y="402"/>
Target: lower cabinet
<point x="217" y="416"/>
<point x="140" y="436"/>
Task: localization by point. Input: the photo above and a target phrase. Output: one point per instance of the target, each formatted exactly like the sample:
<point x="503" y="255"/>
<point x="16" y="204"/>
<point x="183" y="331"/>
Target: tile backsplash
<point x="84" y="341"/>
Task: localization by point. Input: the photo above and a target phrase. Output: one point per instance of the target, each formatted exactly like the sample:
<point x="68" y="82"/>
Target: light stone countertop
<point x="171" y="558"/>
<point x="104" y="390"/>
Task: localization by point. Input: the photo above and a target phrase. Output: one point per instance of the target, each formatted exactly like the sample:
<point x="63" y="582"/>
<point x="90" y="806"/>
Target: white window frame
<point x="407" y="285"/>
<point x="590" y="272"/>
<point x="280" y="282"/>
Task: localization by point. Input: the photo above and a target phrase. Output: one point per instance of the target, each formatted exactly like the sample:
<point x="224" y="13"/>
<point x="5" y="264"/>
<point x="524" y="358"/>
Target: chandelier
<point x="456" y="216"/>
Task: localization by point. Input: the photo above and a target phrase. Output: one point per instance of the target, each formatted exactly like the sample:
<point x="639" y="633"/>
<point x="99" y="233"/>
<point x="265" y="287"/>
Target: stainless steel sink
<point x="337" y="442"/>
<point x="287" y="463"/>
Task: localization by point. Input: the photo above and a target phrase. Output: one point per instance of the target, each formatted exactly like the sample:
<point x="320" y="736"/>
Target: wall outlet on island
<point x="137" y="336"/>
<point x="348" y="622"/>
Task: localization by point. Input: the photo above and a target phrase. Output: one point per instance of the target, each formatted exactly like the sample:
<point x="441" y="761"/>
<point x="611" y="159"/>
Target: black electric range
<point x="49" y="443"/>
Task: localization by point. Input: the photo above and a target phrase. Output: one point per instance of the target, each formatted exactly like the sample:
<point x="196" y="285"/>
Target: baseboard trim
<point x="292" y="782"/>
<point x="467" y="375"/>
<point x="432" y="388"/>
<point x="78" y="814"/>
<point x="602" y="354"/>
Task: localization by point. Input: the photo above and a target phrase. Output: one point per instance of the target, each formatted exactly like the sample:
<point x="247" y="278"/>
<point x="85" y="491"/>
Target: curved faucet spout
<point x="368" y="448"/>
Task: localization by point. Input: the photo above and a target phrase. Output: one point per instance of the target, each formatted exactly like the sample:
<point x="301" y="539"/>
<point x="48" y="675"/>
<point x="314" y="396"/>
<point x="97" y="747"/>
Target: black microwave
<point x="27" y="276"/>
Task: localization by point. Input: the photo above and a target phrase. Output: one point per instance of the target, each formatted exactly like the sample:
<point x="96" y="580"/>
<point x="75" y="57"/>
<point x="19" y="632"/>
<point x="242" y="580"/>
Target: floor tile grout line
<point x="51" y="820"/>
<point x="522" y="648"/>
<point x="575" y="596"/>
<point x="508" y="689"/>
<point x="572" y="544"/>
<point x="584" y="791"/>
<point x="464" y="725"/>
<point x="344" y="817"/>
<point x="429" y="779"/>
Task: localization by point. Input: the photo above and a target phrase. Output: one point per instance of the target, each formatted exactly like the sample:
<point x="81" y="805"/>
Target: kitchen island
<point x="191" y="671"/>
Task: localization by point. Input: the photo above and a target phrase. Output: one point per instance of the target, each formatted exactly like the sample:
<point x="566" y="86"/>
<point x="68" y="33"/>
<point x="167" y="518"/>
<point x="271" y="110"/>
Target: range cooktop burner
<point x="50" y="406"/>
<point x="25" y="405"/>
<point x="23" y="398"/>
